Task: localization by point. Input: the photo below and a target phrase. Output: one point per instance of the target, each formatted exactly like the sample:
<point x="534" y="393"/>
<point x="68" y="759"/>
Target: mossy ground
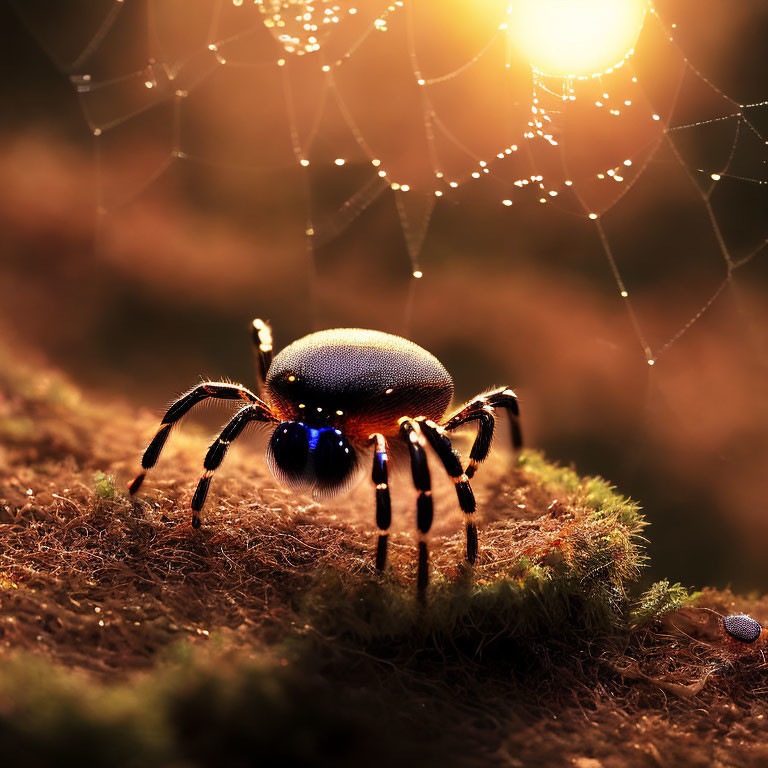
<point x="130" y="639"/>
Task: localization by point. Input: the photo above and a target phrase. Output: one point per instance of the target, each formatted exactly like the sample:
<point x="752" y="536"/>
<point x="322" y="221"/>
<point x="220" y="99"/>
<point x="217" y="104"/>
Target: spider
<point x="334" y="396"/>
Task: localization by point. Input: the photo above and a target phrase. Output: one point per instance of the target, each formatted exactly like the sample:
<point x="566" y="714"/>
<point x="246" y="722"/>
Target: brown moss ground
<point x="129" y="639"/>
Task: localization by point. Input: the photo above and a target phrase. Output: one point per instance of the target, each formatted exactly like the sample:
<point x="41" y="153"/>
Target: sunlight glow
<point x="576" y="37"/>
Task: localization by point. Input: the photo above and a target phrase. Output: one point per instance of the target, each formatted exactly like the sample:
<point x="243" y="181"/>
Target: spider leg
<point x="218" y="450"/>
<point x="410" y="430"/>
<point x="261" y="335"/>
<point x="178" y="409"/>
<point x="482" y="410"/>
<point x="441" y="444"/>
<point x="481" y="446"/>
<point x="380" y="477"/>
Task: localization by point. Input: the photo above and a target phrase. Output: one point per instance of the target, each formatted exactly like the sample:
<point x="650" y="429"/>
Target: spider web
<point x="335" y="109"/>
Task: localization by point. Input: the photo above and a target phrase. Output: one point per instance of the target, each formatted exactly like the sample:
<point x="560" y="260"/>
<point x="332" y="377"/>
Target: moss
<point x="602" y="498"/>
<point x="200" y="712"/>
<point x="660" y="599"/>
<point x="549" y="475"/>
<point x="51" y="716"/>
<point x="104" y="485"/>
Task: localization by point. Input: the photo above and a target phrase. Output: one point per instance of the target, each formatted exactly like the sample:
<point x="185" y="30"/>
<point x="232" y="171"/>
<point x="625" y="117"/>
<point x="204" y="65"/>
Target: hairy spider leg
<point x="410" y="430"/>
<point x="261" y="335"/>
<point x="380" y="477"/>
<point x="482" y="410"/>
<point x="481" y="445"/>
<point x="218" y="450"/>
<point x="441" y="444"/>
<point x="179" y="408"/>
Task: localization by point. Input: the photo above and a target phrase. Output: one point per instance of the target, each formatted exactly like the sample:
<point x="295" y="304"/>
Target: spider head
<point x="307" y="458"/>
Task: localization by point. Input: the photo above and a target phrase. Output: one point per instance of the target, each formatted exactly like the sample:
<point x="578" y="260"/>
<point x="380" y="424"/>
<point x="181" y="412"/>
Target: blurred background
<point x="542" y="195"/>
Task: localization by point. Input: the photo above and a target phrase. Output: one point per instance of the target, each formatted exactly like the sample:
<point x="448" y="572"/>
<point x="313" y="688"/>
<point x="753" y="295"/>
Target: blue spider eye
<point x="334" y="459"/>
<point x="742" y="627"/>
<point x="289" y="446"/>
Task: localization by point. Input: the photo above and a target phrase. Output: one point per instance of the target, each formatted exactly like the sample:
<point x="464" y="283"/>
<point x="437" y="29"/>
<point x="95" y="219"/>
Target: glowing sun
<point x="576" y="37"/>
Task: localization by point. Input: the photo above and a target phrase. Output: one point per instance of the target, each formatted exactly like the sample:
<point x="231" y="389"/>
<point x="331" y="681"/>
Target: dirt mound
<point x="129" y="638"/>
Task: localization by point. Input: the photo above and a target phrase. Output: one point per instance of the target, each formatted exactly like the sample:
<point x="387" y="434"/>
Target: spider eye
<point x="289" y="448"/>
<point x="335" y="459"/>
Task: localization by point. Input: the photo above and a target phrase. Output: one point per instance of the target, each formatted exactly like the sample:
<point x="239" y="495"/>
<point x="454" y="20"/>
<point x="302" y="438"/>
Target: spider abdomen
<point x="365" y="380"/>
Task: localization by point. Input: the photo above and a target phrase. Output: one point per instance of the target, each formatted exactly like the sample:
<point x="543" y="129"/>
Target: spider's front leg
<point x="410" y="430"/>
<point x="218" y="450"/>
<point x="441" y="444"/>
<point x="482" y="410"/>
<point x="217" y="390"/>
<point x="380" y="477"/>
